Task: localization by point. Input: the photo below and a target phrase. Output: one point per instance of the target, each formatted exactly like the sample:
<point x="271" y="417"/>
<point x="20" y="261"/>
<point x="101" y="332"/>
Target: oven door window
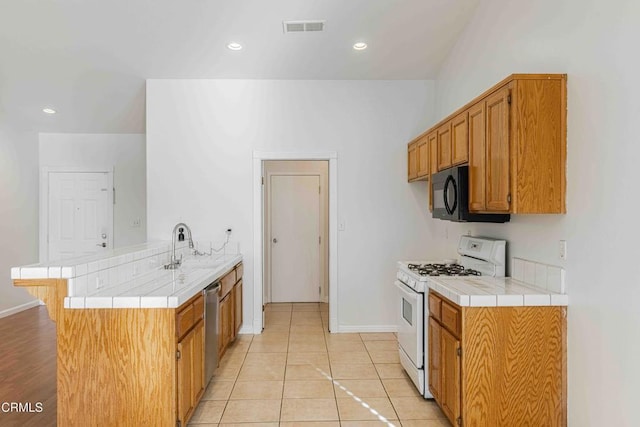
<point x="407" y="311"/>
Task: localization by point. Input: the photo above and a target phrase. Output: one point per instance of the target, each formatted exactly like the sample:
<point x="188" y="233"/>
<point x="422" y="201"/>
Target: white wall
<point x="126" y="153"/>
<point x="595" y="43"/>
<point x="18" y="211"/>
<point x="200" y="139"/>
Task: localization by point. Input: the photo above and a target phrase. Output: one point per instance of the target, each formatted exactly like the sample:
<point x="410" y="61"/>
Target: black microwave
<point x="451" y="197"/>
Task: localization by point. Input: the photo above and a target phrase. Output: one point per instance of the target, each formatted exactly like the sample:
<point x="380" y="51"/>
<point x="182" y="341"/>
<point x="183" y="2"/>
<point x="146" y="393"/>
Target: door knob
<point x="275" y="240"/>
<point x="103" y="244"/>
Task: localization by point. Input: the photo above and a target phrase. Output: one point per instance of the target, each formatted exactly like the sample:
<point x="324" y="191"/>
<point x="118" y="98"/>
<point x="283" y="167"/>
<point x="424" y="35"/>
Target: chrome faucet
<point x="175" y="262"/>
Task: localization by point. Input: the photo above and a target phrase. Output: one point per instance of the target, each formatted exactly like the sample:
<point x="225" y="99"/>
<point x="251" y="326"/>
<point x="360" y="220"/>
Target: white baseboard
<point x="245" y="329"/>
<point x="366" y="328"/>
<point x="19" y="308"/>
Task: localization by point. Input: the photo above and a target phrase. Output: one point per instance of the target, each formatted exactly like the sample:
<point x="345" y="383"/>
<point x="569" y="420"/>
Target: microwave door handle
<point x="450" y="209"/>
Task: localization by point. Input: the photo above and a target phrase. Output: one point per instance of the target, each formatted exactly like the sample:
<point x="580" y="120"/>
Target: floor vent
<point x="302" y="26"/>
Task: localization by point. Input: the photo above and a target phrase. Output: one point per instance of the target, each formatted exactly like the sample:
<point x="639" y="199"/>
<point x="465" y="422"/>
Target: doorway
<point x="296" y="211"/>
<point x="258" y="267"/>
<point x="76" y="212"/>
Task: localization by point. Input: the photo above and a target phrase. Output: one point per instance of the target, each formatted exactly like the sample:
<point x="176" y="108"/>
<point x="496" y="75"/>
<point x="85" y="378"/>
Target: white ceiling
<point x="88" y="59"/>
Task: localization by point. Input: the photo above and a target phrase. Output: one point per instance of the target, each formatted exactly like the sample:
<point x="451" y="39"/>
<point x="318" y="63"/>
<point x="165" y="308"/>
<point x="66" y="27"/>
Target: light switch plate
<point x="563" y="249"/>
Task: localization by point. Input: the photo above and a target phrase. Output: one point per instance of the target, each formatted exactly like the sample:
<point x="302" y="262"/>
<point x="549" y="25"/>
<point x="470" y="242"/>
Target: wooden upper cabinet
<point x="477" y="158"/>
<point x="514" y="138"/>
<point x="418" y="159"/>
<point x="498" y="198"/>
<point x="412" y="161"/>
<point x="423" y="158"/>
<point x="538" y="144"/>
<point x="460" y="139"/>
<point x="444" y="146"/>
<point x="433" y="163"/>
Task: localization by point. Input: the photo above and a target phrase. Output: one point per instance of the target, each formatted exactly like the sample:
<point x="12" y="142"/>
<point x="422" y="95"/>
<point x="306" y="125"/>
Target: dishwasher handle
<point x="212" y="290"/>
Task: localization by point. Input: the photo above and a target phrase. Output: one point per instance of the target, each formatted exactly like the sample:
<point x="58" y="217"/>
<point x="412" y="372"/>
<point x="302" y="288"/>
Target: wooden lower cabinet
<point x="190" y="372"/>
<point x="126" y="366"/>
<point x="237" y="298"/>
<point x="189" y="357"/>
<point x="450" y="371"/>
<point x="225" y="324"/>
<point x="506" y="366"/>
<point x="230" y="309"/>
<point x="435" y="372"/>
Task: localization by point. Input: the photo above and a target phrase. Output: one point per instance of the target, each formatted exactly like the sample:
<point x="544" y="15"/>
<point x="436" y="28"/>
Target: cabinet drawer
<point x="227" y="283"/>
<point x="451" y="318"/>
<point x="239" y="271"/>
<point x="185" y="320"/>
<point x="434" y="305"/>
<point x="198" y="308"/>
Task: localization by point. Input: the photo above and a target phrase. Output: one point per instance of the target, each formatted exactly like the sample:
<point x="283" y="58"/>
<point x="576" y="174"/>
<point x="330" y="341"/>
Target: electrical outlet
<point x="341" y="225"/>
<point x="136" y="223"/>
<point x="99" y="283"/>
<point x="563" y="249"/>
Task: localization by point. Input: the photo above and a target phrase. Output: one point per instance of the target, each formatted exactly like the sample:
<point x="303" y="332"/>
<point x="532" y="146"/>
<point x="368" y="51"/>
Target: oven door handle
<point x="450" y="209"/>
<point x="404" y="290"/>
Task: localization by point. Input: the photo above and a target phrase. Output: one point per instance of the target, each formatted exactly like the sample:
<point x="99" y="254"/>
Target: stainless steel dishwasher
<point x="211" y="330"/>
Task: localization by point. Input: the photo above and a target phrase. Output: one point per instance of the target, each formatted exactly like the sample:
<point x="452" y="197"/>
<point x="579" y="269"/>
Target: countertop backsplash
<point x="543" y="276"/>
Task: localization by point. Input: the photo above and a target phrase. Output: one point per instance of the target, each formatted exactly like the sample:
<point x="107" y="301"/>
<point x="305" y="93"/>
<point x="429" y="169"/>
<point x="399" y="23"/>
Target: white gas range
<point x="479" y="256"/>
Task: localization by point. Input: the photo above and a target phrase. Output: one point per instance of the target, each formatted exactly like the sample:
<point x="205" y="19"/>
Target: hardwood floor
<point x="28" y="367"/>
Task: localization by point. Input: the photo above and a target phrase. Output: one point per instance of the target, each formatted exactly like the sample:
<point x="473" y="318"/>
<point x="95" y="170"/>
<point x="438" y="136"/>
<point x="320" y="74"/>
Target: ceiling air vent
<point x="302" y="26"/>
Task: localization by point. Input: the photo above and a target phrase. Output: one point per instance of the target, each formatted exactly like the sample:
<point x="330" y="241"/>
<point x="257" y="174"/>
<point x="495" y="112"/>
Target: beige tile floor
<point x="297" y="374"/>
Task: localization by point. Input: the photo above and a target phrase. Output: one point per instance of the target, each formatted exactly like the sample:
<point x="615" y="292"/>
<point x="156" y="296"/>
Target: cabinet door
<point x="497" y="154"/>
<point x="238" y="306"/>
<point x="198" y="384"/>
<point x="433" y="163"/>
<point x="477" y="159"/>
<point x="185" y="377"/>
<point x="224" y="338"/>
<point x="444" y="146"/>
<point x="450" y="377"/>
<point x="460" y="139"/>
<point x="434" y="359"/>
<point x="413" y="162"/>
<point x="423" y="158"/>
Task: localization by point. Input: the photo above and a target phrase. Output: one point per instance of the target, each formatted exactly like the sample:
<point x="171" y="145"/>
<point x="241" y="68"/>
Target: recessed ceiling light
<point x="49" y="110"/>
<point x="360" y="46"/>
<point x="234" y="46"/>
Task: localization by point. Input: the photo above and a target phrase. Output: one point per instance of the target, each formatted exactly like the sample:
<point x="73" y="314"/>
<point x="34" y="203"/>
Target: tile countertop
<point x="159" y="288"/>
<point x="132" y="277"/>
<point x="494" y="292"/>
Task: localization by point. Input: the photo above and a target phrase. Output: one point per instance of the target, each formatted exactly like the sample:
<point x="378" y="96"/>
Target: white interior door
<point x="79" y="214"/>
<point x="295" y="238"/>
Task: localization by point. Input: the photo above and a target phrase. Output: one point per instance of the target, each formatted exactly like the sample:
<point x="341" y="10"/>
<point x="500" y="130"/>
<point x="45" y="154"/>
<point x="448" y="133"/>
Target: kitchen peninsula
<point x="130" y="333"/>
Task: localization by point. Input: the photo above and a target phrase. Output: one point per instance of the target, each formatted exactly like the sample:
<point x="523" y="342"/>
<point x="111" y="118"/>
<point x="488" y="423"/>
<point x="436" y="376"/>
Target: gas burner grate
<point x="443" y="270"/>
